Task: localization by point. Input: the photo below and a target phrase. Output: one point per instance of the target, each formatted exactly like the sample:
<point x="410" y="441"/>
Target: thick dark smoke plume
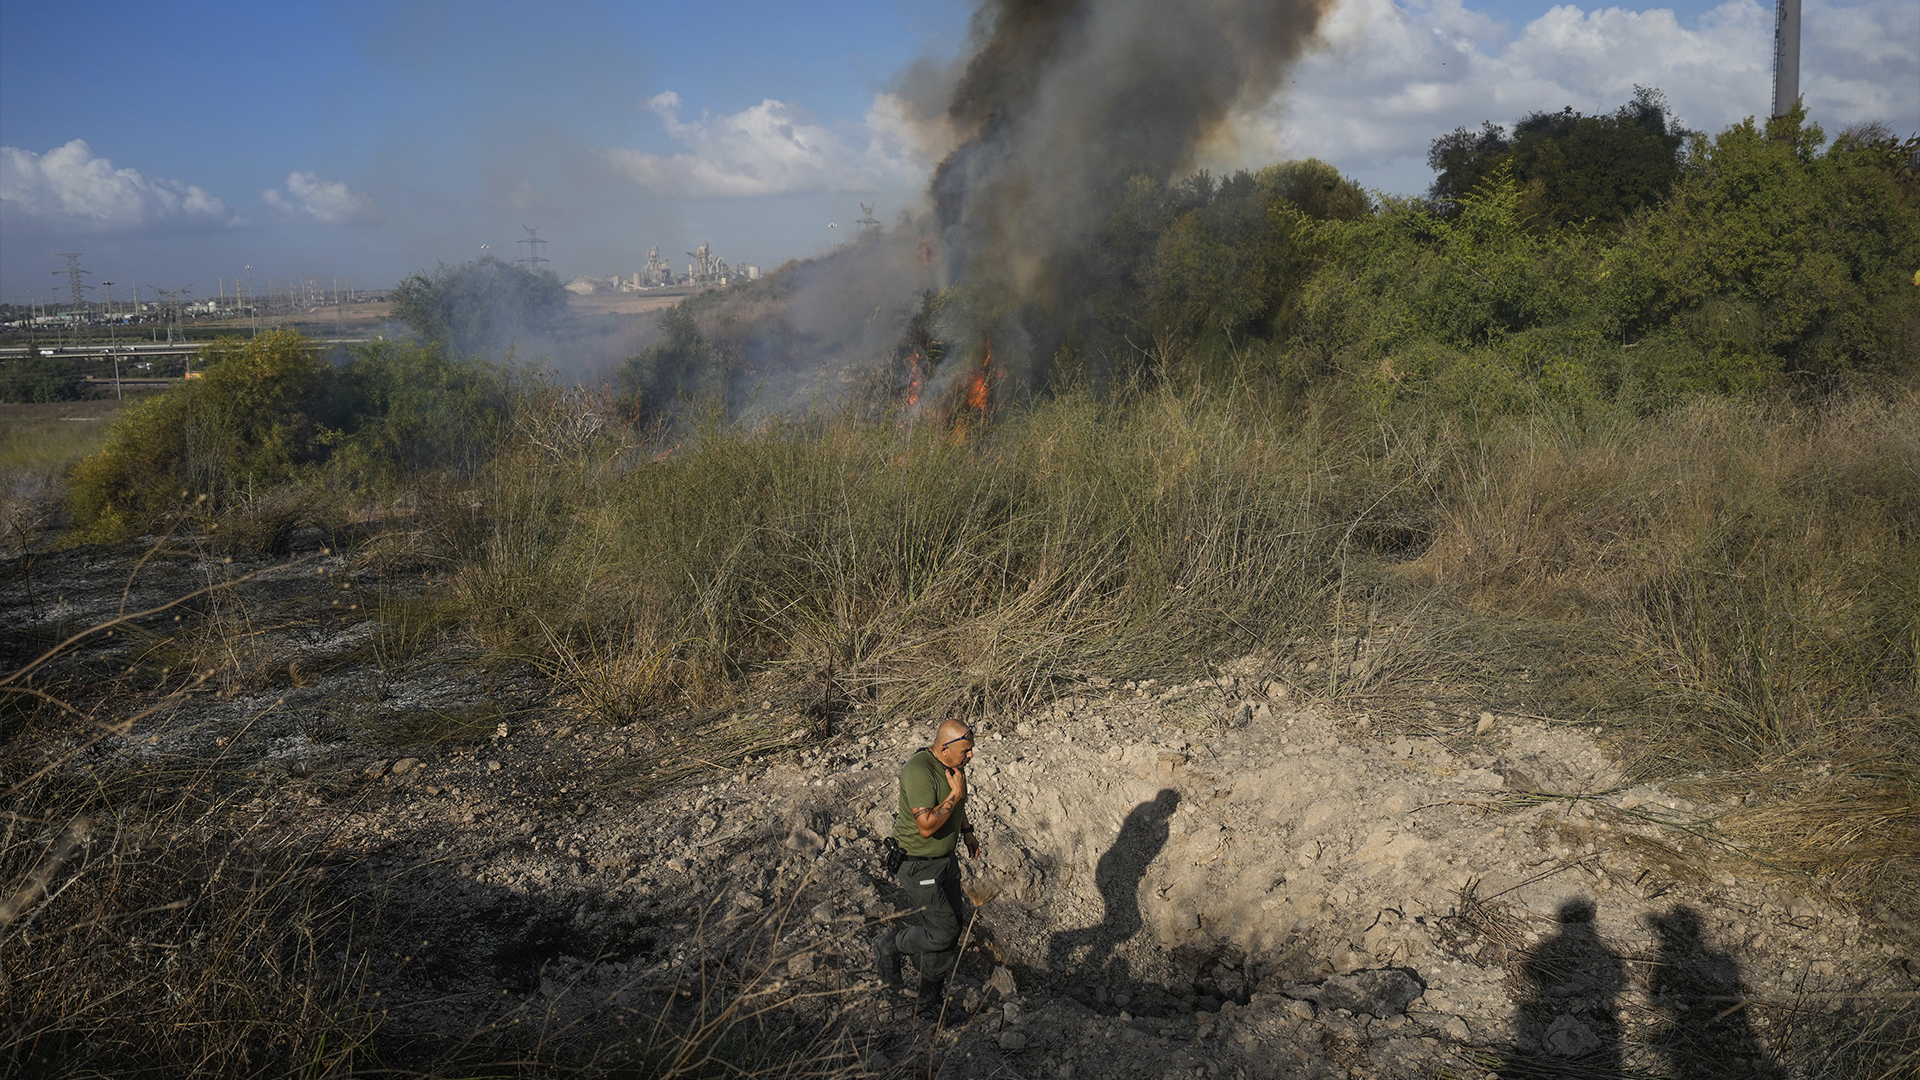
<point x="1063" y="102"/>
<point x="1060" y="104"/>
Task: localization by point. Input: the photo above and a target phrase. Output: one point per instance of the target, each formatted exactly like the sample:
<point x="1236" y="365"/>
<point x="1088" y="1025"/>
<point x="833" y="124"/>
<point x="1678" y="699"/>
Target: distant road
<point x="139" y="352"/>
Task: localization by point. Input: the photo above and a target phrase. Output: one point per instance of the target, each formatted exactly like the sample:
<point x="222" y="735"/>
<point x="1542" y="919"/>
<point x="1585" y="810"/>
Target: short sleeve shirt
<point x="923" y="782"/>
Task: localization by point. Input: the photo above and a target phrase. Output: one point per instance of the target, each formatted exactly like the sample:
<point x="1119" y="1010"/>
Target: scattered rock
<point x="1379" y="992"/>
<point x="1002" y="982"/>
<point x="1517" y="780"/>
<point x="1569" y="1037"/>
<point x="405" y="766"/>
<point x="805" y="841"/>
<point x="1013" y="1040"/>
<point x="801" y="965"/>
<point x="1485" y="724"/>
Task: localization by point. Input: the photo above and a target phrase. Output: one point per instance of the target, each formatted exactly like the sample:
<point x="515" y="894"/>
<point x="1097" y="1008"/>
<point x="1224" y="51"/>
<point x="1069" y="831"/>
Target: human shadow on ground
<point x="1568" y="1019"/>
<point x="1088" y="955"/>
<point x="1697" y="991"/>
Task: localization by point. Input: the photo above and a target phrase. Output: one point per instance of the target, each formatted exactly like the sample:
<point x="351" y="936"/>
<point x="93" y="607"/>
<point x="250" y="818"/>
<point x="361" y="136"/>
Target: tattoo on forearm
<point x="942" y="810"/>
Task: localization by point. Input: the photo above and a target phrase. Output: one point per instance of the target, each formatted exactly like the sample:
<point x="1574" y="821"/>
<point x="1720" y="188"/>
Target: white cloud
<point x="1394" y="76"/>
<point x="71" y="187"/>
<point x="773" y="148"/>
<point x="329" y="202"/>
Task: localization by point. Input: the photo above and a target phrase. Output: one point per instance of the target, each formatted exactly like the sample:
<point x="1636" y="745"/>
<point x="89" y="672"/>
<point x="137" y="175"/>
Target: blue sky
<point x="175" y="144"/>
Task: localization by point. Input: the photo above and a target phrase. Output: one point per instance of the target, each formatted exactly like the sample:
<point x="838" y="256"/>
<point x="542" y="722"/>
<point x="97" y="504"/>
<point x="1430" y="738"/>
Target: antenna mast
<point x="533" y="242"/>
<point x="866" y="215"/>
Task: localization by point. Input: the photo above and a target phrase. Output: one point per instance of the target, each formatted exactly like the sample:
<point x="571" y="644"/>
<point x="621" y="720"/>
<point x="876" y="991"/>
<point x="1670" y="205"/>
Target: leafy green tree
<point x="1229" y="265"/>
<point x="1571" y="168"/>
<point x="1212" y="279"/>
<point x="1773" y="255"/>
<point x="1315" y="189"/>
<point x="1475" y="309"/>
<point x="480" y="308"/>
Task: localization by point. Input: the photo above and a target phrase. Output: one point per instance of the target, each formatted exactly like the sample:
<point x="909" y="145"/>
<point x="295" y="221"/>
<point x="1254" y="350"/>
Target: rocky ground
<point x="1214" y="878"/>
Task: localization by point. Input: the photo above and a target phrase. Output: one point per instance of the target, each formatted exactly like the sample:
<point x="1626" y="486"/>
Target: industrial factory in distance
<point x="706" y="271"/>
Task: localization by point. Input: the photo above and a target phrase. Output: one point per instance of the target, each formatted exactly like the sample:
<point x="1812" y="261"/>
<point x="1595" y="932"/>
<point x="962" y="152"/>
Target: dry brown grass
<point x="1755" y="561"/>
<point x="1734" y="589"/>
<point x="160" y="929"/>
<point x="165" y="916"/>
<point x="38" y="443"/>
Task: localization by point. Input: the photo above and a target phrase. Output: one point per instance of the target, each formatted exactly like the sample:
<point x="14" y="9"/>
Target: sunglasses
<point x="968" y="737"/>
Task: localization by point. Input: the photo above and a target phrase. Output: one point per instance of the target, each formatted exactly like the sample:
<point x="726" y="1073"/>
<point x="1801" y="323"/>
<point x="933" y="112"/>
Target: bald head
<point x="953" y="743"/>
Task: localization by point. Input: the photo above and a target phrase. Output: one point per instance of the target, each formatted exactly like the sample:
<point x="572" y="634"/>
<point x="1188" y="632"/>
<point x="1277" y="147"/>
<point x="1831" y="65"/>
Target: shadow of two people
<point x="1569" y="1013"/>
<point x="1568" y="1018"/>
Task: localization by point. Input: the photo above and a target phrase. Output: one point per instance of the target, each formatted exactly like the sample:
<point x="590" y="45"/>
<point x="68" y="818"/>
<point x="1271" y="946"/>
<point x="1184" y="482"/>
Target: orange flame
<point x="977" y="389"/>
<point x="913" y="379"/>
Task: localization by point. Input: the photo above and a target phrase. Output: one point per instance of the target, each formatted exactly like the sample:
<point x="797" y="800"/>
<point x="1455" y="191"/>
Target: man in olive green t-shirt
<point x="931" y="822"/>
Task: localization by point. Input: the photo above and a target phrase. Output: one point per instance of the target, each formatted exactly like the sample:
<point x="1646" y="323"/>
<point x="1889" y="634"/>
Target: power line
<point x="170" y="306"/>
<point x="79" y="286"/>
<point x="533" y="242"/>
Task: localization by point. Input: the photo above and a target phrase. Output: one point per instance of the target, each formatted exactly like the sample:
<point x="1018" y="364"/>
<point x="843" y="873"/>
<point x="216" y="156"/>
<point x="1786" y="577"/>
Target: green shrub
<point x="254" y="420"/>
<point x="268" y="415"/>
<point x="682" y="366"/>
<point x="41" y="379"/>
<point x="1572" y="170"/>
<point x="413" y="409"/>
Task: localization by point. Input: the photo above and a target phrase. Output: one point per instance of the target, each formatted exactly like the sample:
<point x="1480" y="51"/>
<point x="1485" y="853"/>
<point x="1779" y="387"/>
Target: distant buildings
<point x="706" y="271"/>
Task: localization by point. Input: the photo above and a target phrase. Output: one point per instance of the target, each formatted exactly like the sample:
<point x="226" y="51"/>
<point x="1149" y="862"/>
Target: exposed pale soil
<point x="1209" y="878"/>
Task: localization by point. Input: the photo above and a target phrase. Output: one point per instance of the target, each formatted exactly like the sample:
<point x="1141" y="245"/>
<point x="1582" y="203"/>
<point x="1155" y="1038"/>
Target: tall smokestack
<point x="1786" y="55"/>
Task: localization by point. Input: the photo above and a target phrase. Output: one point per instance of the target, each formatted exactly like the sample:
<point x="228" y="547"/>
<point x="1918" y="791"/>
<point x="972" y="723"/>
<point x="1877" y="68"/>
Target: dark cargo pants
<point x="933" y="887"/>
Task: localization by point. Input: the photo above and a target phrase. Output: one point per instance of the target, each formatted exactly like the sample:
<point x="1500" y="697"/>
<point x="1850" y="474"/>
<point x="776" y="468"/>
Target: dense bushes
<point x="1772" y="255"/>
<point x="269" y="413"/>
<point x="1771" y="260"/>
<point x="250" y="423"/>
<point x="40" y="379"/>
